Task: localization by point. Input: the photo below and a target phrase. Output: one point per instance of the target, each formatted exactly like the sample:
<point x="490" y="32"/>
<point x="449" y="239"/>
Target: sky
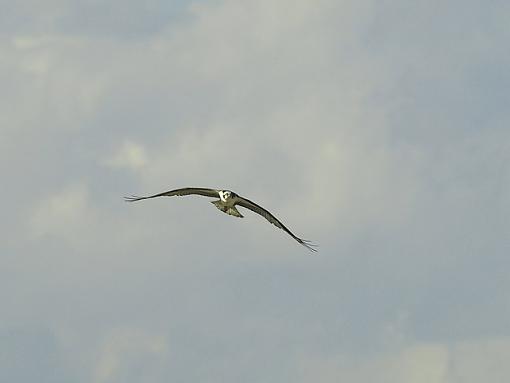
<point x="377" y="129"/>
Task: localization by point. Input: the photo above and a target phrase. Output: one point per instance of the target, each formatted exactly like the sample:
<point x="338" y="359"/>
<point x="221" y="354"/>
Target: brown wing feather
<point x="179" y="192"/>
<point x="272" y="219"/>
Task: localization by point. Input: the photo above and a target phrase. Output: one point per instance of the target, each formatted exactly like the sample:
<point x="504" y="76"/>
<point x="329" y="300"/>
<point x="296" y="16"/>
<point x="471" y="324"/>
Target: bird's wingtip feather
<point x="132" y="198"/>
<point x="309" y="245"/>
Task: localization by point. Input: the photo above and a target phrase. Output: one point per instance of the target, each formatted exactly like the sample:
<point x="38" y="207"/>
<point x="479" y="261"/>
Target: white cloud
<point x="461" y="362"/>
<point x="61" y="214"/>
<point x="48" y="84"/>
<point x="130" y="155"/>
<point x="481" y="360"/>
<point x="121" y="351"/>
<point x="286" y="99"/>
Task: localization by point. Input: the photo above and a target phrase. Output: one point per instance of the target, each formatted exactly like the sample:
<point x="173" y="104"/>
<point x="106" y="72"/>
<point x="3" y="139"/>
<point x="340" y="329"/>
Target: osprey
<point x="228" y="200"/>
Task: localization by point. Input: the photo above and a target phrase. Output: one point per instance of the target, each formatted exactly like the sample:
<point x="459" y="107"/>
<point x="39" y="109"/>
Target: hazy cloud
<point x="465" y="362"/>
<point x="377" y="129"/>
<point x="130" y="155"/>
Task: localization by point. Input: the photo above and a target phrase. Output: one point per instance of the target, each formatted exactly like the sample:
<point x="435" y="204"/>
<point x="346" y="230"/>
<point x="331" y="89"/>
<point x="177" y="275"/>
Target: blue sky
<point x="377" y="129"/>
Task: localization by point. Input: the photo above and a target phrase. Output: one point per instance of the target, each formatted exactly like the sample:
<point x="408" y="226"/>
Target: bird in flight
<point x="228" y="200"/>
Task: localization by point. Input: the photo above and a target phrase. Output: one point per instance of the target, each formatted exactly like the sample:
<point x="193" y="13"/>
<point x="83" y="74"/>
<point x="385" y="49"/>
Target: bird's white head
<point x="225" y="195"/>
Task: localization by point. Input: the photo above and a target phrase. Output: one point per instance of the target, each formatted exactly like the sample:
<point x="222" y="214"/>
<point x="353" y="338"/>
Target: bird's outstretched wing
<point x="179" y="192"/>
<point x="241" y="201"/>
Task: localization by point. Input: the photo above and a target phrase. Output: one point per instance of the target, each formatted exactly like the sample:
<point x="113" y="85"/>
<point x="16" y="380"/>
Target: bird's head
<point x="227" y="194"/>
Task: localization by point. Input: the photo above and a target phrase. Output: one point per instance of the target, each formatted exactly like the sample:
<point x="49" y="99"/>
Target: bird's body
<point x="228" y="200"/>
